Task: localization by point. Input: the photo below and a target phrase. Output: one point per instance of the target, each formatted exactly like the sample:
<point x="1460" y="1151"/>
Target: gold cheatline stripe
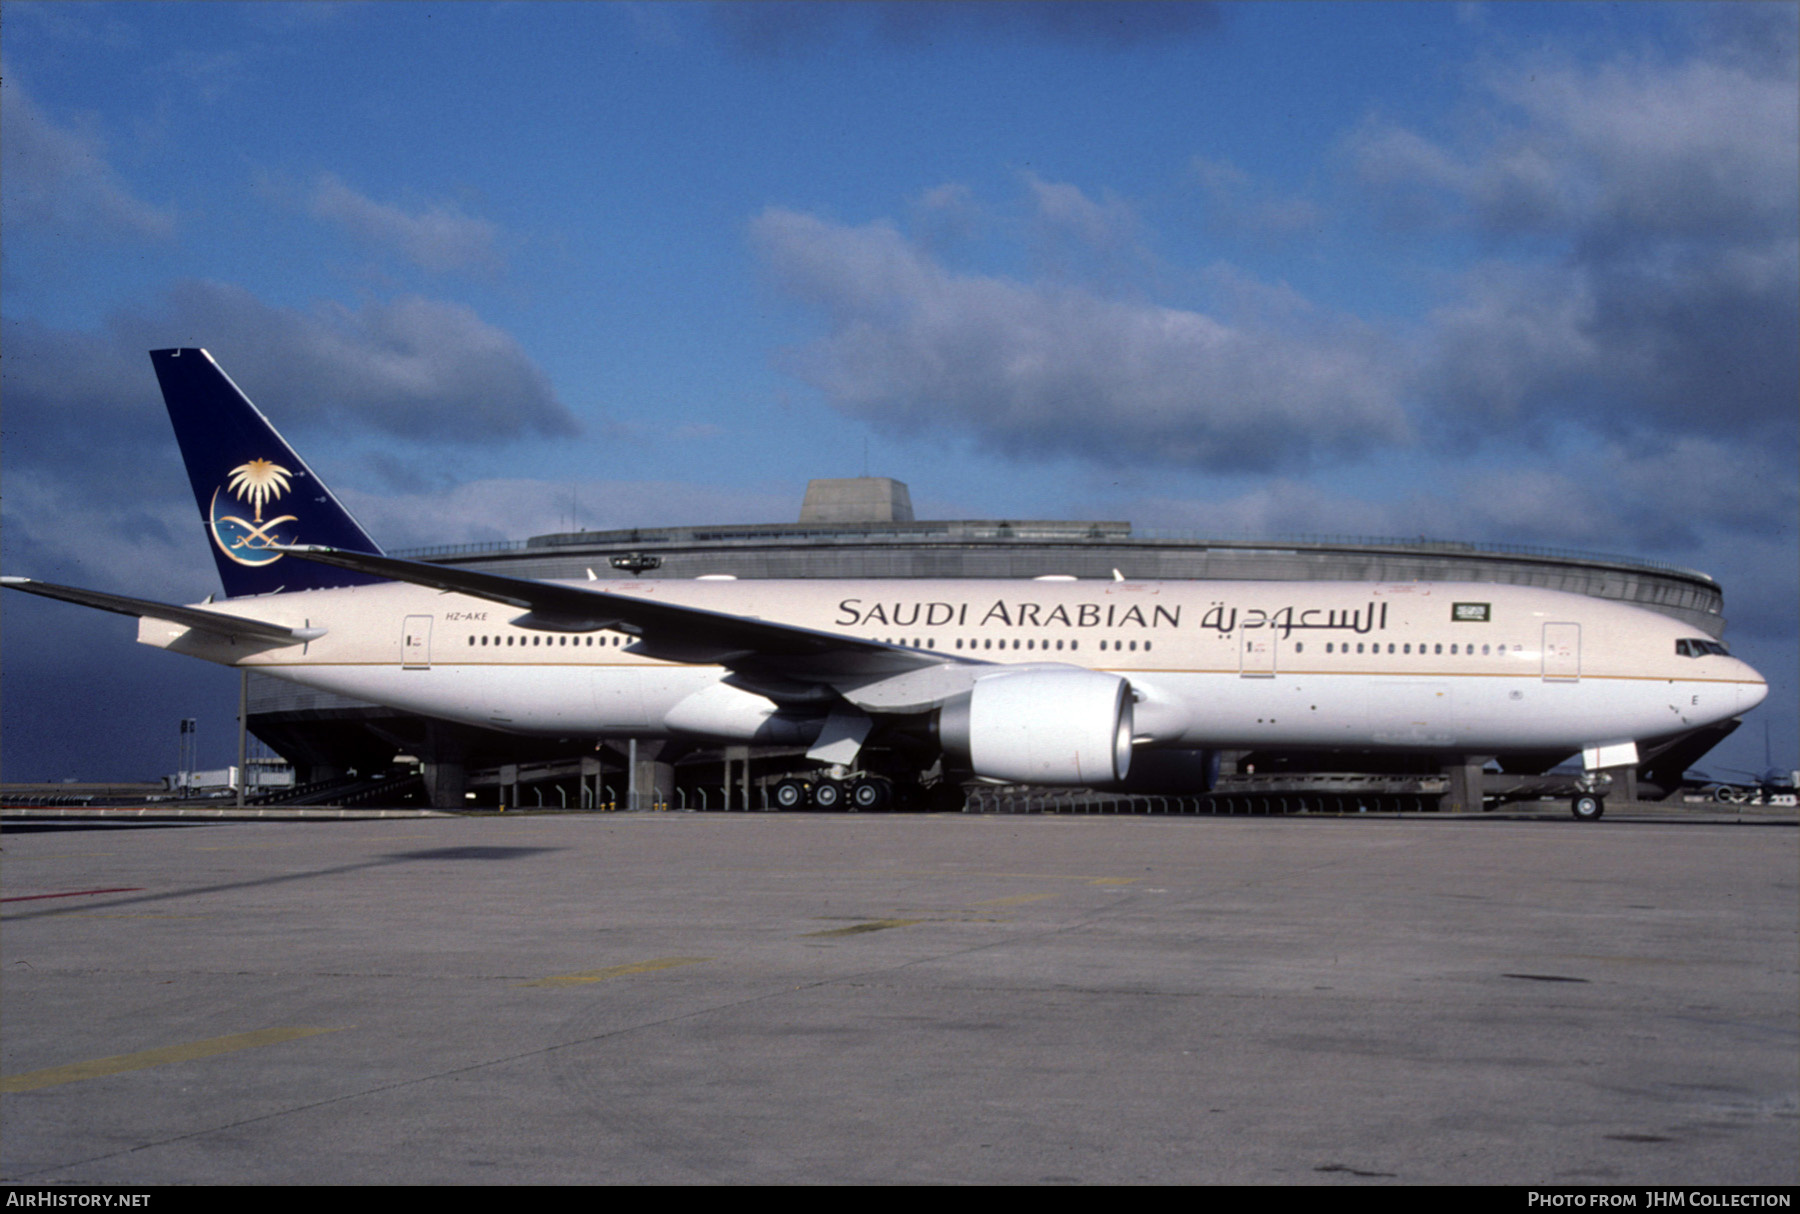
<point x="98" y="1068"/>
<point x="617" y="971"/>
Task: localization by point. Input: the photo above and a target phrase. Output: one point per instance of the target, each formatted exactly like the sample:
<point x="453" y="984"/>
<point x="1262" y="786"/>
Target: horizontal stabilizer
<point x="216" y="622"/>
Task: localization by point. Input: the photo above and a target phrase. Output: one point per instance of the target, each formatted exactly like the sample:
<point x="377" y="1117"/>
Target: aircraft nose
<point x="1751" y="694"/>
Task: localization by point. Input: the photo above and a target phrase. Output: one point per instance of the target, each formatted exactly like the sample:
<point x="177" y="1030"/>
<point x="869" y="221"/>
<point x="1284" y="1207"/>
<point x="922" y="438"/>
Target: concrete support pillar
<point x="652" y="782"/>
<point x="591" y="785"/>
<point x="446" y="779"/>
<point x="243" y="724"/>
<point x="737" y="797"/>
<point x="655" y="783"/>
<point x="1624" y="784"/>
<point x="1463" y="796"/>
<point x="509" y="785"/>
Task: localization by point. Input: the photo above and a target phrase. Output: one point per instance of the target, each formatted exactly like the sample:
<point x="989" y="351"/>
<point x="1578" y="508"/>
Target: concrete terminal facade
<point x="864" y="528"/>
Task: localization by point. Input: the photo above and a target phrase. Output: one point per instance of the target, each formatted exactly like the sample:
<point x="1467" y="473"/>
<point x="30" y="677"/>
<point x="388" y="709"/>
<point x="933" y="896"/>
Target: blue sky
<point x="1513" y="272"/>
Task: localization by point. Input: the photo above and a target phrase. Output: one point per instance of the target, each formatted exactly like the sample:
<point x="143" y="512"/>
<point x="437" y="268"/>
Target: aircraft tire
<point x="828" y="794"/>
<point x="790" y="794"/>
<point x="870" y="796"/>
<point x="1587" y="807"/>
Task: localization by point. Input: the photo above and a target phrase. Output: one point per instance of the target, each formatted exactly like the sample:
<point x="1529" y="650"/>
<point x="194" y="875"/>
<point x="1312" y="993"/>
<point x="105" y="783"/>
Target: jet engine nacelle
<point x="1043" y="725"/>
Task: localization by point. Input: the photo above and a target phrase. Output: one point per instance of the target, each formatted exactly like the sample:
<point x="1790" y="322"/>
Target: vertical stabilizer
<point x="254" y="491"/>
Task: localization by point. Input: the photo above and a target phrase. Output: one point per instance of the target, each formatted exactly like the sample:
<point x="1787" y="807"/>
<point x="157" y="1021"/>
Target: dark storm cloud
<point x="783" y="28"/>
<point x="95" y="493"/>
<point x="413" y="368"/>
<point x="69" y="669"/>
<point x="73" y="396"/>
<point x="1051" y="368"/>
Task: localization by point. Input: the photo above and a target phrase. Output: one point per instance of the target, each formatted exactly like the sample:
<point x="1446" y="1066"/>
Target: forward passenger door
<point x="415" y="643"/>
<point x="1562" y="653"/>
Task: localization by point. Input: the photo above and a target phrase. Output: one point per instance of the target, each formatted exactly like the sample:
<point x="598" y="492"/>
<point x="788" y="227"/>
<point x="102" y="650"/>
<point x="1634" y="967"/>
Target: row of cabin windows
<point x="986" y="643"/>
<point x="613" y="640"/>
<point x="1405" y="647"/>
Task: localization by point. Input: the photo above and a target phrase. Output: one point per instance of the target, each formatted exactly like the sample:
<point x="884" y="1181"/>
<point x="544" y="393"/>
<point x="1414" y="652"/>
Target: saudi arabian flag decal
<point x="247" y="540"/>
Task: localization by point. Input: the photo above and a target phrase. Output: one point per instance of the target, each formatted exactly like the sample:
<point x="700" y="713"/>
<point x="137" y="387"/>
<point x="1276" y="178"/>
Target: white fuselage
<point x="1438" y="666"/>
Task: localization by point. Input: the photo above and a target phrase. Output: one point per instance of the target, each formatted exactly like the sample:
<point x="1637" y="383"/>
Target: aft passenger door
<point x="1562" y="653"/>
<point x="1256" y="653"/>
<point x="415" y="643"/>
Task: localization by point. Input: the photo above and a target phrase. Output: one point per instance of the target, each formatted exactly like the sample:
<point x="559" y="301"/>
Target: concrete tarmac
<point x="769" y="998"/>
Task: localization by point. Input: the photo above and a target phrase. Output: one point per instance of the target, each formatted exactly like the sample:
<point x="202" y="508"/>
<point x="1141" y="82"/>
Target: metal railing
<point x="1254" y="804"/>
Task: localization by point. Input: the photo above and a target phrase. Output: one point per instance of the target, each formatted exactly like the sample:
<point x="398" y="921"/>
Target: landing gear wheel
<point x="1587" y="807"/>
<point x="828" y="794"/>
<point x="869" y="796"/>
<point x="790" y="794"/>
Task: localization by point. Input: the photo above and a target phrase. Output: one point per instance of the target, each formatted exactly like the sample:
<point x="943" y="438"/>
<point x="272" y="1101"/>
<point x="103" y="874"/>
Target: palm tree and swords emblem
<point x="247" y="541"/>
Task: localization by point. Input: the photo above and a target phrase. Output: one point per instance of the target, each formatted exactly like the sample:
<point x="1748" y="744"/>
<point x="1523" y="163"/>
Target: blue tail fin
<point x="252" y="488"/>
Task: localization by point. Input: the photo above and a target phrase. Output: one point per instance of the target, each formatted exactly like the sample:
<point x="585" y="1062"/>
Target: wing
<point x="761" y="649"/>
<point x="216" y="622"/>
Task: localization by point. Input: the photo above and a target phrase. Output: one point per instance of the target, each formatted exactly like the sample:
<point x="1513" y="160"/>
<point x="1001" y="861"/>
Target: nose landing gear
<point x="1590" y="796"/>
<point x="1587" y="807"/>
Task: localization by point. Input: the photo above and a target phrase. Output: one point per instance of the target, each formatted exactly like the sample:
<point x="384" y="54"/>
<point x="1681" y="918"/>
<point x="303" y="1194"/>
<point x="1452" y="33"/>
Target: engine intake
<point x="1048" y="725"/>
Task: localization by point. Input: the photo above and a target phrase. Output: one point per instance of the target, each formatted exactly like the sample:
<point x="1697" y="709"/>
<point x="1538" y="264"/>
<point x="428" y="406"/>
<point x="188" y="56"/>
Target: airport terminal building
<point x="864" y="528"/>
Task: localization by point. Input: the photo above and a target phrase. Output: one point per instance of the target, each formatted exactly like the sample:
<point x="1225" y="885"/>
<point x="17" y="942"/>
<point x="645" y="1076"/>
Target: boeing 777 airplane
<point x="1048" y="681"/>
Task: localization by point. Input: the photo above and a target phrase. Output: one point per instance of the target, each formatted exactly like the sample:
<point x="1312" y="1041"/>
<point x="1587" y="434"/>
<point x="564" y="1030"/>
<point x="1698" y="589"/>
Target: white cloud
<point x="58" y="179"/>
<point x="1061" y="207"/>
<point x="1238" y="202"/>
<point x="439" y="238"/>
<point x="1035" y="368"/>
<point x="1645" y="273"/>
<point x="1697" y="148"/>
<point x="1632" y="150"/>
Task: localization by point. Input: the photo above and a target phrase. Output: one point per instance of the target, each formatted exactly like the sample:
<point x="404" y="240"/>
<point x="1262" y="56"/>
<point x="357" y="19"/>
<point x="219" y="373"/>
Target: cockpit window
<point x="1695" y="647"/>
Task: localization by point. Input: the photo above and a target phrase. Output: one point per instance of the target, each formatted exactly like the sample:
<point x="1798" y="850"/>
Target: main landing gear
<point x="863" y="794"/>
